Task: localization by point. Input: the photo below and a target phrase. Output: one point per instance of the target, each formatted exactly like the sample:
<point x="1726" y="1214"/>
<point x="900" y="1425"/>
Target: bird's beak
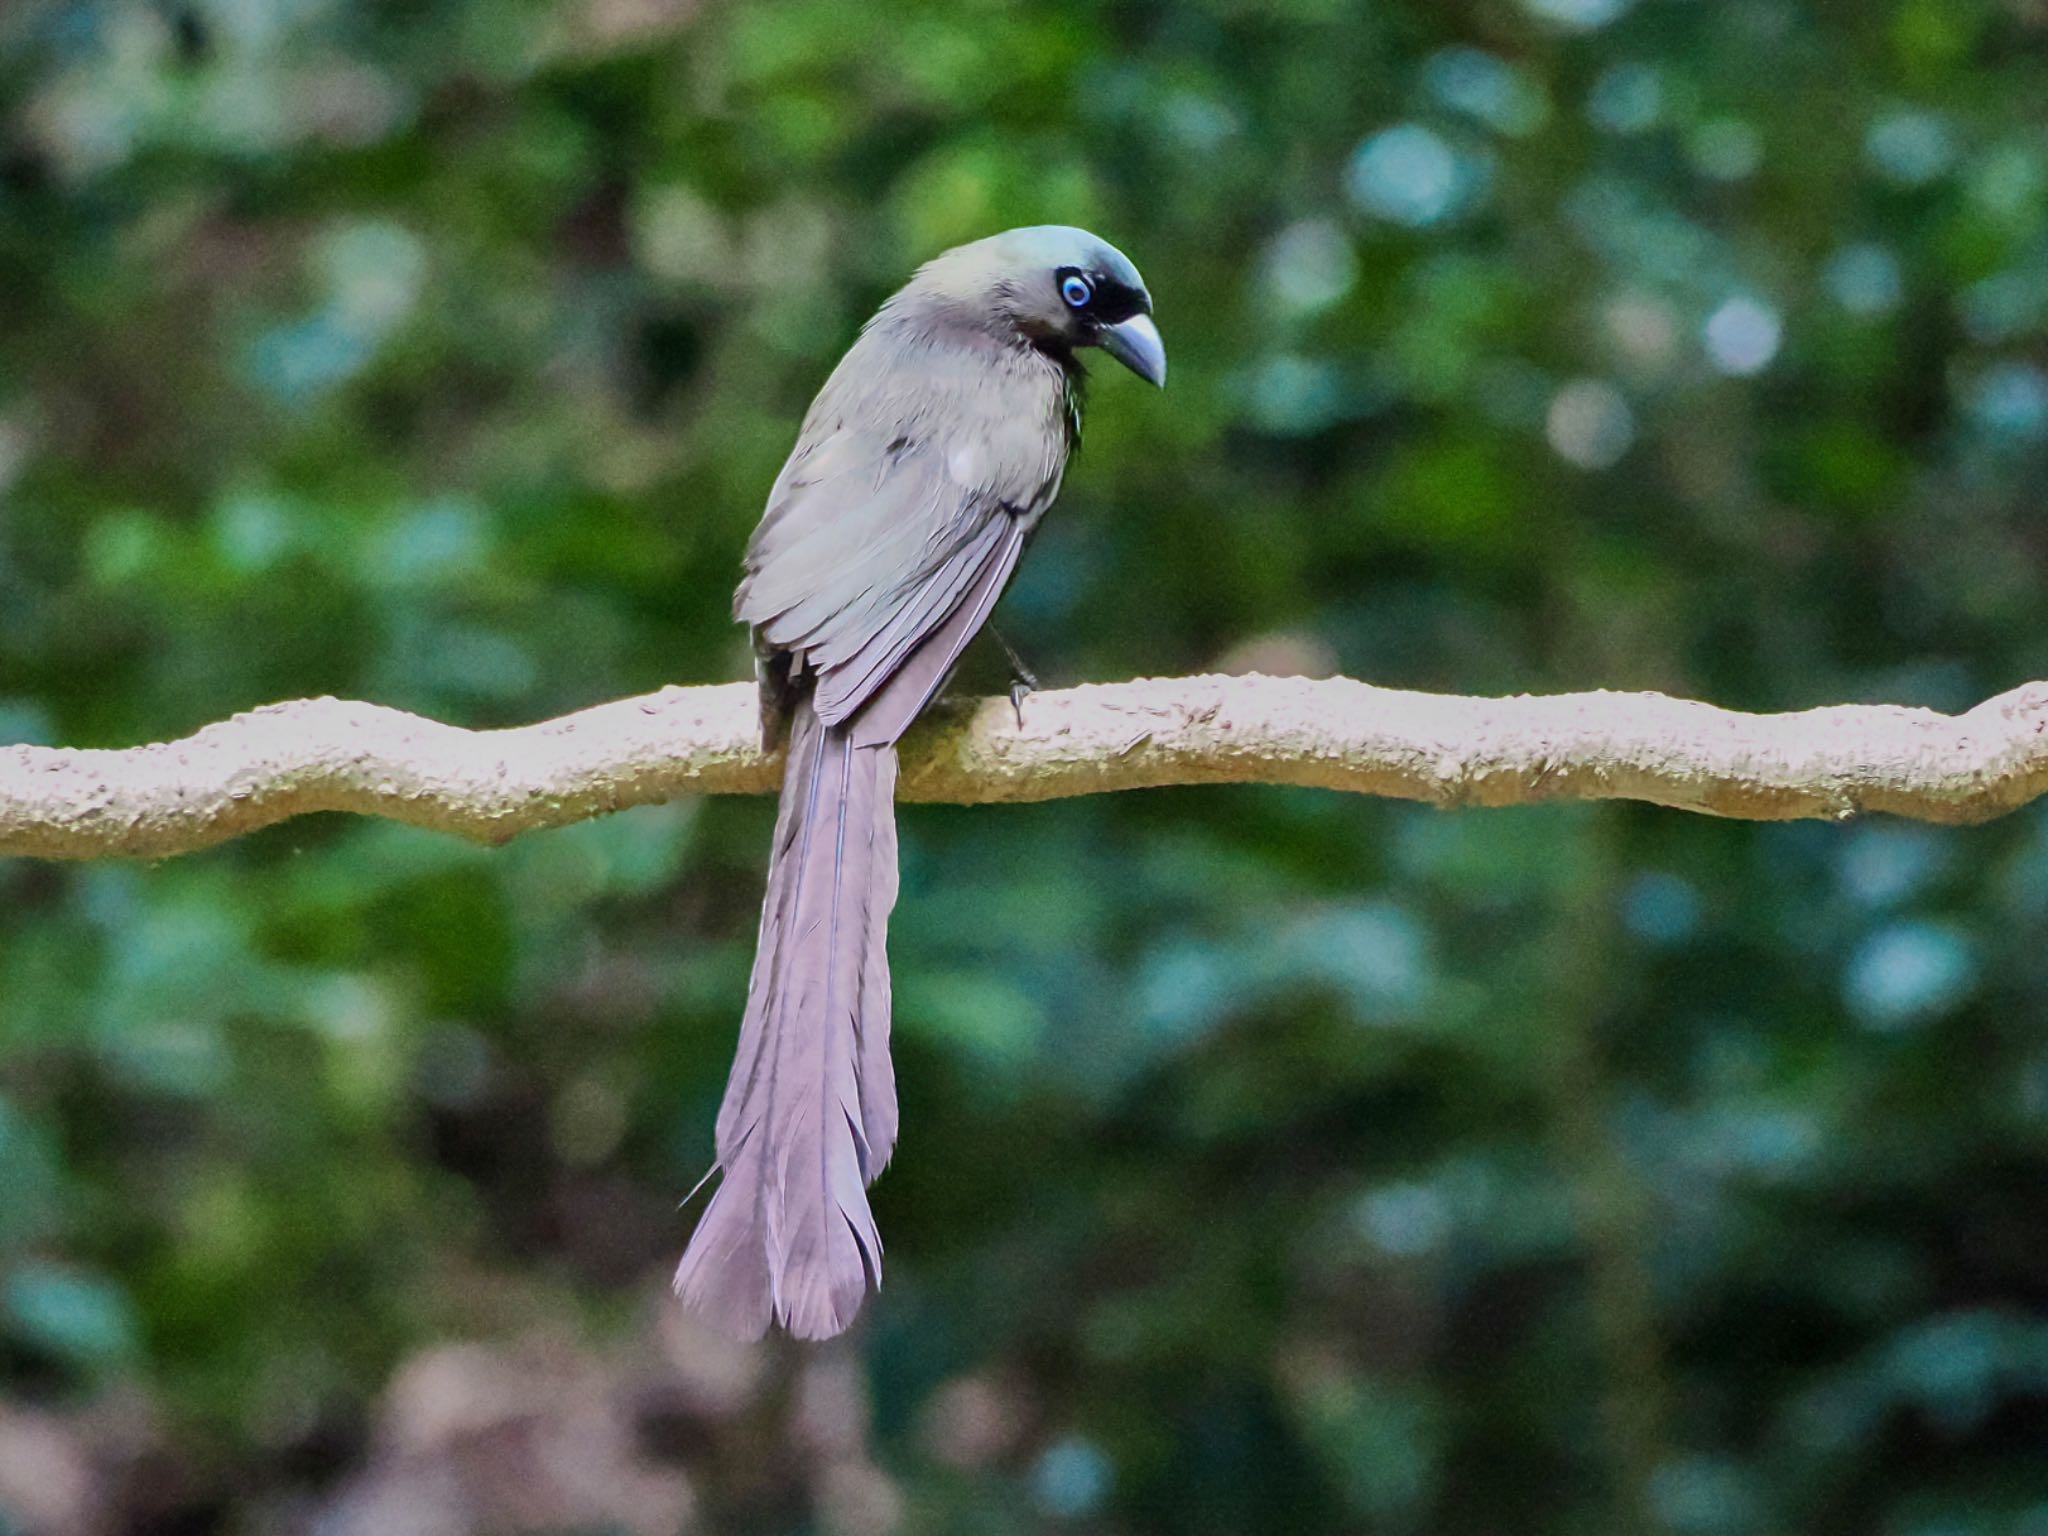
<point x="1136" y="344"/>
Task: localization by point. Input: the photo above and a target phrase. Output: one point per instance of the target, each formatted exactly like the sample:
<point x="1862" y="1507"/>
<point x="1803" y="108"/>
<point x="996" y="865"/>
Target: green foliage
<point x="1272" y="1162"/>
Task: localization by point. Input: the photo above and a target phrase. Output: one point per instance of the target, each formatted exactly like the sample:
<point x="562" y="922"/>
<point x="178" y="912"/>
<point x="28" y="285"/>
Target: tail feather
<point x="809" y="1117"/>
<point x="877" y="1076"/>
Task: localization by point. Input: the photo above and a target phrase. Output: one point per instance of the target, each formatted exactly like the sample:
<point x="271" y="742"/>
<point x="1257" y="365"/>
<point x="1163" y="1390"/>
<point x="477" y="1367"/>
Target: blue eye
<point x="1076" y="290"/>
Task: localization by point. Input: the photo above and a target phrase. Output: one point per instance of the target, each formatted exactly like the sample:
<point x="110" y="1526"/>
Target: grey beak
<point x="1136" y="344"/>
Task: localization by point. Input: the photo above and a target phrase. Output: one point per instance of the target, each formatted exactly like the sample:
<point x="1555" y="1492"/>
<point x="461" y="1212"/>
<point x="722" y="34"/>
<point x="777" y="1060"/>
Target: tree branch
<point x="331" y="755"/>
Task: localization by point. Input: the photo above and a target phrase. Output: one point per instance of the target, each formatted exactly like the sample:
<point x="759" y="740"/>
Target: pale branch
<point x="331" y="755"/>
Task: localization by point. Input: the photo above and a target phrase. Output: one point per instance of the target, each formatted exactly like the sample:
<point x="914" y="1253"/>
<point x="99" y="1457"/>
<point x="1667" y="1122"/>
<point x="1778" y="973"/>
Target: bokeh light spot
<point x="1726" y="149"/>
<point x="1590" y="424"/>
<point x="1577" y="15"/>
<point x="1626" y="99"/>
<point x="1864" y="279"/>
<point x="1908" y="972"/>
<point x="1661" y="908"/>
<point x="2011" y="400"/>
<point x="1309" y="266"/>
<point x="1412" y="176"/>
<point x="1072" y="1478"/>
<point x="1487" y="89"/>
<point x="1742" y="336"/>
<point x="1909" y="147"/>
<point x="1404" y="1220"/>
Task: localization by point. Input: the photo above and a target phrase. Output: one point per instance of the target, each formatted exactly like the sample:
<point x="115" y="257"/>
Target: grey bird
<point x="922" y="470"/>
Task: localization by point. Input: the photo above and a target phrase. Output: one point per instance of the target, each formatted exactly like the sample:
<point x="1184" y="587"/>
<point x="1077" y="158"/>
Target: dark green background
<point x="1273" y="1161"/>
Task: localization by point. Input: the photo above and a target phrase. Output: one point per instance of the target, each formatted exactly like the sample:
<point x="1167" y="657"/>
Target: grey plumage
<point x="922" y="469"/>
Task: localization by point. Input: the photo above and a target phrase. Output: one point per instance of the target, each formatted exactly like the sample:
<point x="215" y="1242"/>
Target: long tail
<point x="810" y="1111"/>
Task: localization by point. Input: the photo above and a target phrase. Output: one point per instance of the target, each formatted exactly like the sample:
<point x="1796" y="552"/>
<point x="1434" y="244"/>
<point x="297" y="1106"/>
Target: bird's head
<point x="1058" y="287"/>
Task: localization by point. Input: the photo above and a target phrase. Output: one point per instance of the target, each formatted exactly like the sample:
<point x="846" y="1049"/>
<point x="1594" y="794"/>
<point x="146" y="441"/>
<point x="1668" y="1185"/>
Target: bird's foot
<point x="1023" y="681"/>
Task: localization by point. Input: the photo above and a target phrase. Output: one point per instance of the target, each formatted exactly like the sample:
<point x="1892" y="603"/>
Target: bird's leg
<point x="1023" y="681"/>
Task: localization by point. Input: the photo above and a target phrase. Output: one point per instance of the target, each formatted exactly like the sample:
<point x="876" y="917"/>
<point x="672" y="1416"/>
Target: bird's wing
<point x="873" y="554"/>
<point x="912" y="671"/>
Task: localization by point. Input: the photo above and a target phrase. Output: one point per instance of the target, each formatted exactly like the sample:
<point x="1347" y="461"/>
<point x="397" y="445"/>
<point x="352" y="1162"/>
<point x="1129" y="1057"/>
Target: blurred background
<point x="1274" y="1161"/>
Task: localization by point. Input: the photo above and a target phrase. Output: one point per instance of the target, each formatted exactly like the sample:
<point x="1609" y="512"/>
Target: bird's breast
<point x="992" y="416"/>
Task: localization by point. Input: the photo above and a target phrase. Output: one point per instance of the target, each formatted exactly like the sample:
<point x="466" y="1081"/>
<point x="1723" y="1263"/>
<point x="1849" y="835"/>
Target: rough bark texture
<point x="333" y="755"/>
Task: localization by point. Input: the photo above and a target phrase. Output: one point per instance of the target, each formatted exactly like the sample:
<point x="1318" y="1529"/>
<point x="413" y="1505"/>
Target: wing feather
<point x="890" y="545"/>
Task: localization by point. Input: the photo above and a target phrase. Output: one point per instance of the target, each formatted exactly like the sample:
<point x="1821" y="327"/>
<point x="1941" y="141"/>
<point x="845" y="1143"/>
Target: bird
<point x="919" y="475"/>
